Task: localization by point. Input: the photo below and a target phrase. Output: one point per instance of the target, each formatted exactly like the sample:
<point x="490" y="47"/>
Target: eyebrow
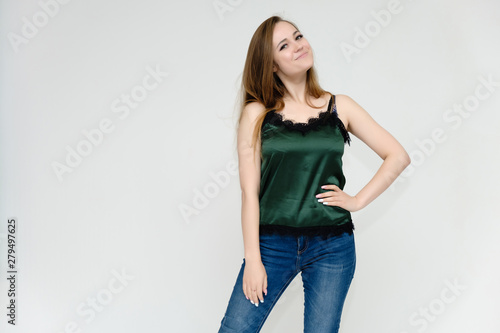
<point x="296" y="32"/>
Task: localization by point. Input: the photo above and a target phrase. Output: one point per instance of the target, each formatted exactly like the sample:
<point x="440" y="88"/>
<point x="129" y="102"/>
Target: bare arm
<point x="255" y="277"/>
<point x="396" y="159"/>
<point x="249" y="167"/>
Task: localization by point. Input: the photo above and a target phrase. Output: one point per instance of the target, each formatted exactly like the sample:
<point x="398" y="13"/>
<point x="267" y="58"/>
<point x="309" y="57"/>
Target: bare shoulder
<point x="248" y="120"/>
<point x="251" y="111"/>
<point x="345" y="102"/>
<point x="346" y="106"/>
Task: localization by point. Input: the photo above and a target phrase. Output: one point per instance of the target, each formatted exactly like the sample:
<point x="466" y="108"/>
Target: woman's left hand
<point x="337" y="197"/>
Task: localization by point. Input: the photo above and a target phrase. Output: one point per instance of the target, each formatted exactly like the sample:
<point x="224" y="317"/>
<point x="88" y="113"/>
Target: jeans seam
<point x="305" y="248"/>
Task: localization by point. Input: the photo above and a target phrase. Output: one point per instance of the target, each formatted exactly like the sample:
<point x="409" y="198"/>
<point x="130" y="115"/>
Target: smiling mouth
<point x="301" y="56"/>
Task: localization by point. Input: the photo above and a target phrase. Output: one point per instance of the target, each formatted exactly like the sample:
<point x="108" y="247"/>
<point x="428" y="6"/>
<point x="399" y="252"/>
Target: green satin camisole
<point x="297" y="159"/>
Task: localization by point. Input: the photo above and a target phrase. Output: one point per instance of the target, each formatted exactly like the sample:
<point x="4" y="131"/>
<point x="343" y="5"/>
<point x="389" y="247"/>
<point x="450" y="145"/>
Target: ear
<point x="275" y="68"/>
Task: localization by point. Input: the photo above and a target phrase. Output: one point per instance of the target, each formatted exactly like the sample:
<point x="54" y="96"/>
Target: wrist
<point x="253" y="258"/>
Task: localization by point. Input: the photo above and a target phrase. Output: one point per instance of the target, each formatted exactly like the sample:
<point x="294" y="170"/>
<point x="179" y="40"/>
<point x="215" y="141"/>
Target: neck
<point x="296" y="88"/>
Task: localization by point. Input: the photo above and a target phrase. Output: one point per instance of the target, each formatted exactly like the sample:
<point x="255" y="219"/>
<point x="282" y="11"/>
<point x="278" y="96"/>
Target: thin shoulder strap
<point x="334" y="107"/>
<point x="340" y="124"/>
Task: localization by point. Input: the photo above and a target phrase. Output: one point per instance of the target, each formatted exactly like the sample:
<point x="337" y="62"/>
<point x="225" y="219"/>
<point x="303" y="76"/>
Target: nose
<point x="298" y="47"/>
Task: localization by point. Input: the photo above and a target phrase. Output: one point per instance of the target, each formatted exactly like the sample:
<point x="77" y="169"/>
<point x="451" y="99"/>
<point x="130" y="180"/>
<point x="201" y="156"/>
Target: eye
<point x="283" y="46"/>
<point x="299" y="37"/>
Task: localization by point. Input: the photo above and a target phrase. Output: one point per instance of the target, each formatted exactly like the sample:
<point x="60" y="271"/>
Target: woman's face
<point x="292" y="53"/>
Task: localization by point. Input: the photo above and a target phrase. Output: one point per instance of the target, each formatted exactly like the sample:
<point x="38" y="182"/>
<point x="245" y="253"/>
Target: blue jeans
<point x="327" y="268"/>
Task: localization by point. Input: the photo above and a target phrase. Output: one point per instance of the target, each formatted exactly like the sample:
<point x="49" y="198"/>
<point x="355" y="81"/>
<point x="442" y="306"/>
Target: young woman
<point x="295" y="215"/>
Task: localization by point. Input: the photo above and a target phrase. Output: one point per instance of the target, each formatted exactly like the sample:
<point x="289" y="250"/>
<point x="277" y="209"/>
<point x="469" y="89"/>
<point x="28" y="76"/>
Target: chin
<point x="310" y="65"/>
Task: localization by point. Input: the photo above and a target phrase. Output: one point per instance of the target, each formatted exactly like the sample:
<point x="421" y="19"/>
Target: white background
<point x="136" y="205"/>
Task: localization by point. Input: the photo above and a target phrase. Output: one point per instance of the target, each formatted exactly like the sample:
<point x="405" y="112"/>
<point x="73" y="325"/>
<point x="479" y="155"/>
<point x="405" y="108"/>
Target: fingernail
<point x="325" y="203"/>
<point x="323" y="186"/>
<point x="257" y="304"/>
<point x="320" y="200"/>
<point x="262" y="301"/>
<point x="252" y="302"/>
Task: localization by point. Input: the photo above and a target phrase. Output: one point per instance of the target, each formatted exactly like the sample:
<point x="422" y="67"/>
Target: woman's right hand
<point x="254" y="281"/>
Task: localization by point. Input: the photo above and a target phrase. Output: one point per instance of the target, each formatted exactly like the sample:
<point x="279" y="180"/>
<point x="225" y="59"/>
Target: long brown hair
<point x="260" y="84"/>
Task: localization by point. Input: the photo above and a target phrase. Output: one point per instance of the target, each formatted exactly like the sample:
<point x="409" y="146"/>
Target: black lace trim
<point x="323" y="231"/>
<point x="340" y="124"/>
<point x="312" y="124"/>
